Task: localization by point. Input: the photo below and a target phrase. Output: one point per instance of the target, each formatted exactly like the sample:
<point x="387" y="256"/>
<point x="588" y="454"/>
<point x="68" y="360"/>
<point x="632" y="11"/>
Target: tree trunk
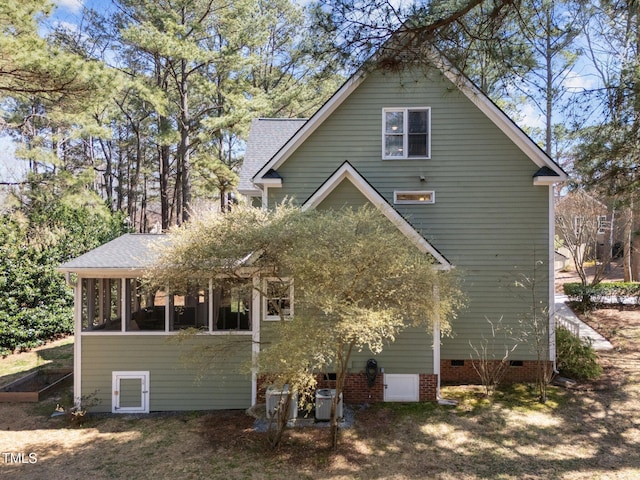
<point x="184" y="147"/>
<point x="164" y="166"/>
<point x="628" y="235"/>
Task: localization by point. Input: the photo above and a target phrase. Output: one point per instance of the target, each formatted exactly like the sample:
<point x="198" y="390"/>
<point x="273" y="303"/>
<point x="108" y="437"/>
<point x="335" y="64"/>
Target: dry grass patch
<point x="590" y="432"/>
<point x="56" y="354"/>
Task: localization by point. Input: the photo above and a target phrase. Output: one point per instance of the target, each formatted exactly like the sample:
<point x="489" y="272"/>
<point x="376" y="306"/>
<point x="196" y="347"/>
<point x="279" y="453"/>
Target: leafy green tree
<point x="358" y="283"/>
<point x="30" y="66"/>
<point x="550" y="29"/>
<point x="50" y="223"/>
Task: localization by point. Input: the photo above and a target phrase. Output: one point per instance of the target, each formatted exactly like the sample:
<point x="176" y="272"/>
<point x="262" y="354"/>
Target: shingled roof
<point x="129" y="252"/>
<point x="266" y="137"/>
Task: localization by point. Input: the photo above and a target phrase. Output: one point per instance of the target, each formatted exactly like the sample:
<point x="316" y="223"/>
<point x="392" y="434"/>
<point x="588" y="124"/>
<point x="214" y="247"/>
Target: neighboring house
<point x="587" y="224"/>
<point x="425" y="147"/>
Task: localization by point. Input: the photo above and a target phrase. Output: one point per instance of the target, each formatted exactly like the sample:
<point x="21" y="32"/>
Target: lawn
<point x="589" y="432"/>
<point x="57" y="354"/>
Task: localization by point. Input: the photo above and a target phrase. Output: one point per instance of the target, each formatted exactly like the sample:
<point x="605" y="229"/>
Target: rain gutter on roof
<point x="104" y="272"/>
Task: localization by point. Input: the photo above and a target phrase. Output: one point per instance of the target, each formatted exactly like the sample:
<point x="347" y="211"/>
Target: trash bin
<point x="275" y="395"/>
<point x="324" y="397"/>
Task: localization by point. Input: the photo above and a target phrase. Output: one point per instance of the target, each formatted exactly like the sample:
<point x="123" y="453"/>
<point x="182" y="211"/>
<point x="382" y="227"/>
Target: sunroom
<point x="125" y="331"/>
<point x="112" y="297"/>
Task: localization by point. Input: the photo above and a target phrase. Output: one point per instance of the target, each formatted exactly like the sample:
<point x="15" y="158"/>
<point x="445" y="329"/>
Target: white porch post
<point x="255" y="337"/>
<point x="77" y="343"/>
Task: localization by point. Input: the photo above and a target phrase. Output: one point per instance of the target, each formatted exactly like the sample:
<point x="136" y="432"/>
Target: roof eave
<point x="309" y="127"/>
<point x="551" y="180"/>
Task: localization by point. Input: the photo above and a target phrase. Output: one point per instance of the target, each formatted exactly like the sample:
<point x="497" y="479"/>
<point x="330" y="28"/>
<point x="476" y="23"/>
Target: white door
<point x="401" y="387"/>
<point x="130" y="392"/>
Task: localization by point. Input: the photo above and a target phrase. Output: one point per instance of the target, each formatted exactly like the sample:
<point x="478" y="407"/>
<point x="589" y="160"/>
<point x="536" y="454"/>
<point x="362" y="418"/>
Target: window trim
<point x="405" y="134"/>
<point x="431" y="194"/>
<point x="265" y="299"/>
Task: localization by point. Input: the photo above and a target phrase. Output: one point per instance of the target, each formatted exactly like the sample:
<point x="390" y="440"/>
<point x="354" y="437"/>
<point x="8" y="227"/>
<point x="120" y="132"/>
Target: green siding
<point x="345" y="194"/>
<point x="411" y="352"/>
<point x="130" y="392"/>
<point x="489" y="220"/>
<point x="173" y="383"/>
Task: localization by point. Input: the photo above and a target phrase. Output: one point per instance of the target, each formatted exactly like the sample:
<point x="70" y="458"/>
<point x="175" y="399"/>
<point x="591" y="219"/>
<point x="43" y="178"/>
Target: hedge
<point x="32" y="327"/>
<point x="612" y="292"/>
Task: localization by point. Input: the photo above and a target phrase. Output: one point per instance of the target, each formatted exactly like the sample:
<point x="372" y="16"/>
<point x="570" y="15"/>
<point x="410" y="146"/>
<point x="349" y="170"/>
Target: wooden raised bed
<point x="34" y="386"/>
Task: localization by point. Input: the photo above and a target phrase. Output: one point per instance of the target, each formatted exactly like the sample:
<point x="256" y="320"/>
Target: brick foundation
<point x="465" y="373"/>
<point x="357" y="390"/>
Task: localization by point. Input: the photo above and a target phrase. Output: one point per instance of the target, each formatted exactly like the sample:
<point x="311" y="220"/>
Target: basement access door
<point x="130" y="392"/>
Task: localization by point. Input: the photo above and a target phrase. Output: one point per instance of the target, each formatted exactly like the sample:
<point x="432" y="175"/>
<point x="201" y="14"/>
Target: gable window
<point x="413" y="197"/>
<point x="278" y="301"/>
<point x="406" y="133"/>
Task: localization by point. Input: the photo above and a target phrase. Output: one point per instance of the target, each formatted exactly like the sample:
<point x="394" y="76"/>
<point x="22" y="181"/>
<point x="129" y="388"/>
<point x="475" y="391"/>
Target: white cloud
<point x="530" y="116"/>
<point x="73" y="6"/>
<point x="578" y="82"/>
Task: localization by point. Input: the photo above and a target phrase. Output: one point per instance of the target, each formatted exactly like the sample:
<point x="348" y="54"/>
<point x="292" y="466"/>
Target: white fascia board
<point x="309" y="127"/>
<point x="253" y="192"/>
<point x="346" y="171"/>
<point x="105" y="272"/>
<point x="271" y="182"/>
<point x="547" y="181"/>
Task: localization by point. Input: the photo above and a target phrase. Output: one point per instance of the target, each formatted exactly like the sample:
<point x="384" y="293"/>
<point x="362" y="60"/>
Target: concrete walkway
<point x="568" y="319"/>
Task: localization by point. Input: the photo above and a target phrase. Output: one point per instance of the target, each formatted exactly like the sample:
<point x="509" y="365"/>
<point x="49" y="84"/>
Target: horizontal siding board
<point x="173" y="384"/>
<point x="489" y="219"/>
<point x="411" y="352"/>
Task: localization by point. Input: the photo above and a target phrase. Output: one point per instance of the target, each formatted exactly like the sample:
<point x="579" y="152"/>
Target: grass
<point x="593" y="432"/>
<point x="57" y="354"/>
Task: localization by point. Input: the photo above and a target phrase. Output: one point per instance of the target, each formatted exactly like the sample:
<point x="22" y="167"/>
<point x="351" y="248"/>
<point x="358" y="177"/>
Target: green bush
<point x="36" y="236"/>
<point x="594" y="294"/>
<point x="576" y="358"/>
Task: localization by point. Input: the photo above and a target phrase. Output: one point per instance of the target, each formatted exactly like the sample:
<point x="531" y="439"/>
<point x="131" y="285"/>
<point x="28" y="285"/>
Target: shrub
<point x="589" y="295"/>
<point x="576" y="358"/>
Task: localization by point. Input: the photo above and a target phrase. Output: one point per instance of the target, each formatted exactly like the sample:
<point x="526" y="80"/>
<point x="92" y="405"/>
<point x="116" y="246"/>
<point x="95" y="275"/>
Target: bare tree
<point x="584" y="228"/>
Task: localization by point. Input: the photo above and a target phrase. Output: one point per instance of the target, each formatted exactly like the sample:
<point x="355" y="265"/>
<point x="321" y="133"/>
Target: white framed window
<point x="603" y="224"/>
<point x="401" y="197"/>
<point x="278" y="298"/>
<point x="406" y="133"/>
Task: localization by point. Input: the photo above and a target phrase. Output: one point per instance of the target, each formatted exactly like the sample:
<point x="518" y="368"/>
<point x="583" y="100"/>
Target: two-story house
<point x="431" y="152"/>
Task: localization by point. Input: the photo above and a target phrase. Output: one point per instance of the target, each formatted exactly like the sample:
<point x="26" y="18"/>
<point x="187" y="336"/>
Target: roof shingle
<point x="129" y="251"/>
<point x="266" y="137"/>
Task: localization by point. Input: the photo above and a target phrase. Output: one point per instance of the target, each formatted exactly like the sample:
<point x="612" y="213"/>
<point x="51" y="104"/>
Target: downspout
<point x="437" y="340"/>
<point x="255" y="338"/>
<point x="436" y="355"/>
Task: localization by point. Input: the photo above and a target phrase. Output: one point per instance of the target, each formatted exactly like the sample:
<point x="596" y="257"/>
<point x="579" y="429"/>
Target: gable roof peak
<point x="461" y="81"/>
